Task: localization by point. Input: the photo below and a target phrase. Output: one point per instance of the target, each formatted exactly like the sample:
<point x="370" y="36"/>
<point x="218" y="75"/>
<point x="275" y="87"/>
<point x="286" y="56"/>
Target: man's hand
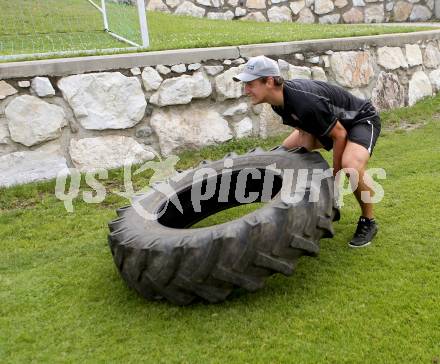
<point x="339" y="136"/>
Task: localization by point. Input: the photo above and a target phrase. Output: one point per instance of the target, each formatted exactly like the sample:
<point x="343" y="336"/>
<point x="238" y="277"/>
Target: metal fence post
<point x="143" y="23"/>
<point x="104" y="14"/>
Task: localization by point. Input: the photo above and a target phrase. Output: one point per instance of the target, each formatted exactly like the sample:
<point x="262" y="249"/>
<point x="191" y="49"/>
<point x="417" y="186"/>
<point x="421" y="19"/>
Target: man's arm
<point x="339" y="136"/>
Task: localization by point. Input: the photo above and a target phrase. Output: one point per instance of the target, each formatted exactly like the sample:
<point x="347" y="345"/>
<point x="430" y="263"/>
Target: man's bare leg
<point x="356" y="157"/>
<point x="299" y="138"/>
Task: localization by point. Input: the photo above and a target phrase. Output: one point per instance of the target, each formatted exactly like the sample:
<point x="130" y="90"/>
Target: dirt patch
<point x="19" y="202"/>
<point x="404" y="126"/>
<point x="436" y="117"/>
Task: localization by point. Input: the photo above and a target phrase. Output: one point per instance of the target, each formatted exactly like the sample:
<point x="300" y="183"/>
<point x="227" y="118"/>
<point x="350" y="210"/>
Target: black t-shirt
<point x="315" y="106"/>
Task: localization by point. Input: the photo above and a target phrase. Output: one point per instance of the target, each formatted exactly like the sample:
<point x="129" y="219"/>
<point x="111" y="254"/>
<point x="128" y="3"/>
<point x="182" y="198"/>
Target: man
<point x="325" y="116"/>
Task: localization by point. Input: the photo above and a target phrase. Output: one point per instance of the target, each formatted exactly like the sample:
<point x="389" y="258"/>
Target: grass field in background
<point x="29" y="26"/>
<point x="62" y="299"/>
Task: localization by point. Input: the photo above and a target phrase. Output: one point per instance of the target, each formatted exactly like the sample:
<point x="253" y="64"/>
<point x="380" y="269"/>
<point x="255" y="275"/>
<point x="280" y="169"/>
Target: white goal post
<point x="142" y="22"/>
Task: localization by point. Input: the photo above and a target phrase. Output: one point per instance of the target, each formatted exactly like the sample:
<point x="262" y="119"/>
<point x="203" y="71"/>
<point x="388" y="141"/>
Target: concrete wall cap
<point x="78" y="65"/>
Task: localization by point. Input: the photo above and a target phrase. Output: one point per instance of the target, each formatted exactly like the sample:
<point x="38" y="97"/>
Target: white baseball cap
<point x="257" y="67"/>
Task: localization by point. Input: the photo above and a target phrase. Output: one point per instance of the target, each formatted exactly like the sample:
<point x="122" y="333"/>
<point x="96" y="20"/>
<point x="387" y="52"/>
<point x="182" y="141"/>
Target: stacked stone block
<point x="301" y="11"/>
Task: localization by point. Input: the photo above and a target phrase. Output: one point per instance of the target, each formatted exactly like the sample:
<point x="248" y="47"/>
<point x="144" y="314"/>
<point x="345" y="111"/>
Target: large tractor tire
<point x="164" y="258"/>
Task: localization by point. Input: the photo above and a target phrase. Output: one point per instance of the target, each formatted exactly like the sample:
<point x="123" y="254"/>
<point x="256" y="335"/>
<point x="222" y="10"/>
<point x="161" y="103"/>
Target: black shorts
<point x="363" y="132"/>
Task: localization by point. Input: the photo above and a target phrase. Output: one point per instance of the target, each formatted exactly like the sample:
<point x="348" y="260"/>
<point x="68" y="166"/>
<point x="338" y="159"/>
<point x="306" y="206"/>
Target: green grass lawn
<point x="62" y="300"/>
<point x="75" y="25"/>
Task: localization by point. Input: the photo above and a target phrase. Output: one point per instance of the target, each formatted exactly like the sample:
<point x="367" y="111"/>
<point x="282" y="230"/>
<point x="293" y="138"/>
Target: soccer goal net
<point x="50" y="28"/>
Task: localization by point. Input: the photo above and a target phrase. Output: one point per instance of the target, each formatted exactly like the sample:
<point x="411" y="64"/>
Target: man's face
<point x="257" y="90"/>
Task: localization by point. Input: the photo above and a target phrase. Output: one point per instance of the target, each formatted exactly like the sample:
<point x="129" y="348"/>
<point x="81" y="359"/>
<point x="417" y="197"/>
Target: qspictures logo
<point x="208" y="183"/>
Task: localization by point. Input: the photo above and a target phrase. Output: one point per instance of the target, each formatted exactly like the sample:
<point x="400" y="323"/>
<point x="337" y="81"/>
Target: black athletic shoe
<point x="365" y="232"/>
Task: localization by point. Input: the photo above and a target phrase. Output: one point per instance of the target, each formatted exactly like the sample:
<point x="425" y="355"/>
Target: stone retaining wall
<point x="101" y="119"/>
<point x="301" y="11"/>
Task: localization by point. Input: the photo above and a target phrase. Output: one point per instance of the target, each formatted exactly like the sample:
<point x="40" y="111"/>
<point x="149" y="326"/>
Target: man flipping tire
<point x="325" y="116"/>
